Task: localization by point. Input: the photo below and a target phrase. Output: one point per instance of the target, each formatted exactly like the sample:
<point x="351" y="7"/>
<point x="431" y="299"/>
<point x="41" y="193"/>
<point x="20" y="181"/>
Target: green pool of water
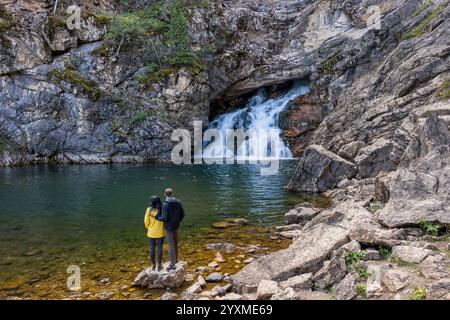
<point x="52" y="217"/>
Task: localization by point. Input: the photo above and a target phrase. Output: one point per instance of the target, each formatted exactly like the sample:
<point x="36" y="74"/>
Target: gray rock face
<point x="162" y="279"/>
<point x="419" y="190"/>
<point x="373" y="159"/>
<point x="320" y="170"/>
<point x="410" y="254"/>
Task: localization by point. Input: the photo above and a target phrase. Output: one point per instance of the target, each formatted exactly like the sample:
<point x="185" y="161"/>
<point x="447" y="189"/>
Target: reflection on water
<point x="51" y="217"/>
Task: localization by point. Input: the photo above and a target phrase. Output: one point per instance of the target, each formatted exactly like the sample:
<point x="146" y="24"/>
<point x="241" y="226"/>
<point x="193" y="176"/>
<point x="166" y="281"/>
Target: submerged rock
<point x="162" y="279"/>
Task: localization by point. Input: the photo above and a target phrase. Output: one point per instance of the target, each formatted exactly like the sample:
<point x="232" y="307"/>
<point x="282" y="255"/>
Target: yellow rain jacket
<point x="155" y="227"/>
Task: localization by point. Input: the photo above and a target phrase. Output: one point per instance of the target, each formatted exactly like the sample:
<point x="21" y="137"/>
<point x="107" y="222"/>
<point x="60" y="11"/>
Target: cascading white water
<point x="259" y="115"/>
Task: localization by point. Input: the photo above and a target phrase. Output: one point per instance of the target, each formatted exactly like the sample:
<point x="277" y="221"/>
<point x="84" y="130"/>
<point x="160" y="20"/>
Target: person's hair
<point x="155" y="203"/>
<point x="168" y="192"/>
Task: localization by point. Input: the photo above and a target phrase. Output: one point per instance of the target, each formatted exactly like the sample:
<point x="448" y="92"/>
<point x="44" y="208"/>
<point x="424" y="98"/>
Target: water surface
<point x="52" y="217"/>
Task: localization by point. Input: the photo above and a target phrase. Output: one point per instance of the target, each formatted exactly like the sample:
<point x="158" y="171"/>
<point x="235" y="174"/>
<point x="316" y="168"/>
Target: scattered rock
<point x="162" y="279"/>
<point x="232" y="296"/>
<point x="195" y="288"/>
<point x="266" y="289"/>
<point x="201" y="281"/>
<point x="371" y="254"/>
<point x="218" y="291"/>
<point x="303" y="281"/>
<point x="213" y="265"/>
<point x="374" y="286"/>
<point x="395" y="280"/>
<point x="168" y="296"/>
<point x="433" y="267"/>
<point x="410" y="254"/>
<point x="346" y="289"/>
<point x="219" y="258"/>
<point x="214" y="277"/>
<point x="220" y="246"/>
<point x="285" y="294"/>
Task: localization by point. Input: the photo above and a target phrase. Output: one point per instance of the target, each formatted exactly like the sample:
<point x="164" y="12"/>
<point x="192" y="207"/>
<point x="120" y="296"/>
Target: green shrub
<point x="330" y="63"/>
<point x="139" y="117"/>
<point x="422" y="28"/>
<point x="418" y="294"/>
<point x="431" y="228"/>
<point x="361" y="290"/>
<point x="385" y="252"/>
<point x="362" y="273"/>
<point x="423" y="7"/>
<point x="88" y="87"/>
<point x="443" y="91"/>
<point x="351" y="258"/>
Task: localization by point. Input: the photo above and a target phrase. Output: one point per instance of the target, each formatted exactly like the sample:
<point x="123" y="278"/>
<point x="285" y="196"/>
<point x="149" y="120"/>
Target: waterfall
<point x="260" y="120"/>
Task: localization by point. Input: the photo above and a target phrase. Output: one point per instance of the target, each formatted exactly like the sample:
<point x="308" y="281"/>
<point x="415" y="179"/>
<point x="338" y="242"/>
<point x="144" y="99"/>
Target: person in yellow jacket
<point x="155" y="230"/>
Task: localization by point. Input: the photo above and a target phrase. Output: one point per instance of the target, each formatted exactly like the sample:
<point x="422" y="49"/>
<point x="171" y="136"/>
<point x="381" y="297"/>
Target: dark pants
<point x="172" y="241"/>
<point x="153" y="242"/>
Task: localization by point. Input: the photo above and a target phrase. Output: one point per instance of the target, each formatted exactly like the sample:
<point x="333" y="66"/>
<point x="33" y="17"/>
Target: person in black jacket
<point x="172" y="214"/>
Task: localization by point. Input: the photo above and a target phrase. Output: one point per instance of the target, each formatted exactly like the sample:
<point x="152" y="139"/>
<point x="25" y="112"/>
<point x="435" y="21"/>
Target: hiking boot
<point x="159" y="267"/>
<point x="153" y="267"/>
<point x="169" y="268"/>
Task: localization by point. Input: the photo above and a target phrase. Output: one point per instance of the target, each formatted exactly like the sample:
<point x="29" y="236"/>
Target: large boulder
<point x="320" y="170"/>
<point x="162" y="279"/>
<point x="266" y="289"/>
<point x="410" y="254"/>
<point x="346" y="289"/>
<point x="327" y="232"/>
<point x="375" y="158"/>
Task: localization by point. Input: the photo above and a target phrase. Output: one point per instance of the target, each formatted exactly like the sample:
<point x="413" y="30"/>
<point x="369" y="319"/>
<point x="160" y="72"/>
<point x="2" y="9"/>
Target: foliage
<point x="89" y="87"/>
<point x="6" y="21"/>
<point x="418" y="294"/>
<point x="361" y="290"/>
<point x="431" y="228"/>
<point x="139" y="117"/>
<point x="443" y="91"/>
<point x="423" y="7"/>
<point x="163" y="36"/>
<point x="422" y="28"/>
<point x="330" y="63"/>
<point x="385" y="252"/>
<point x="362" y="273"/>
<point x="374" y="206"/>
<point x="351" y="258"/>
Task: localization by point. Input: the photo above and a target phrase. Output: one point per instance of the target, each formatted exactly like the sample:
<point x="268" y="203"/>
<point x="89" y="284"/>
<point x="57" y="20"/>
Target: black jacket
<point x="172" y="214"/>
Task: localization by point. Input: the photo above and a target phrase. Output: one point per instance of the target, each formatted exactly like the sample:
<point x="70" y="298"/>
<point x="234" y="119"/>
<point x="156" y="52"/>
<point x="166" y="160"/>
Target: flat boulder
<point x="301" y="214"/>
<point x="302" y="281"/>
<point x="162" y="279"/>
<point x="214" y="277"/>
<point x="320" y="170"/>
<point x="410" y="254"/>
<point x="395" y="280"/>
